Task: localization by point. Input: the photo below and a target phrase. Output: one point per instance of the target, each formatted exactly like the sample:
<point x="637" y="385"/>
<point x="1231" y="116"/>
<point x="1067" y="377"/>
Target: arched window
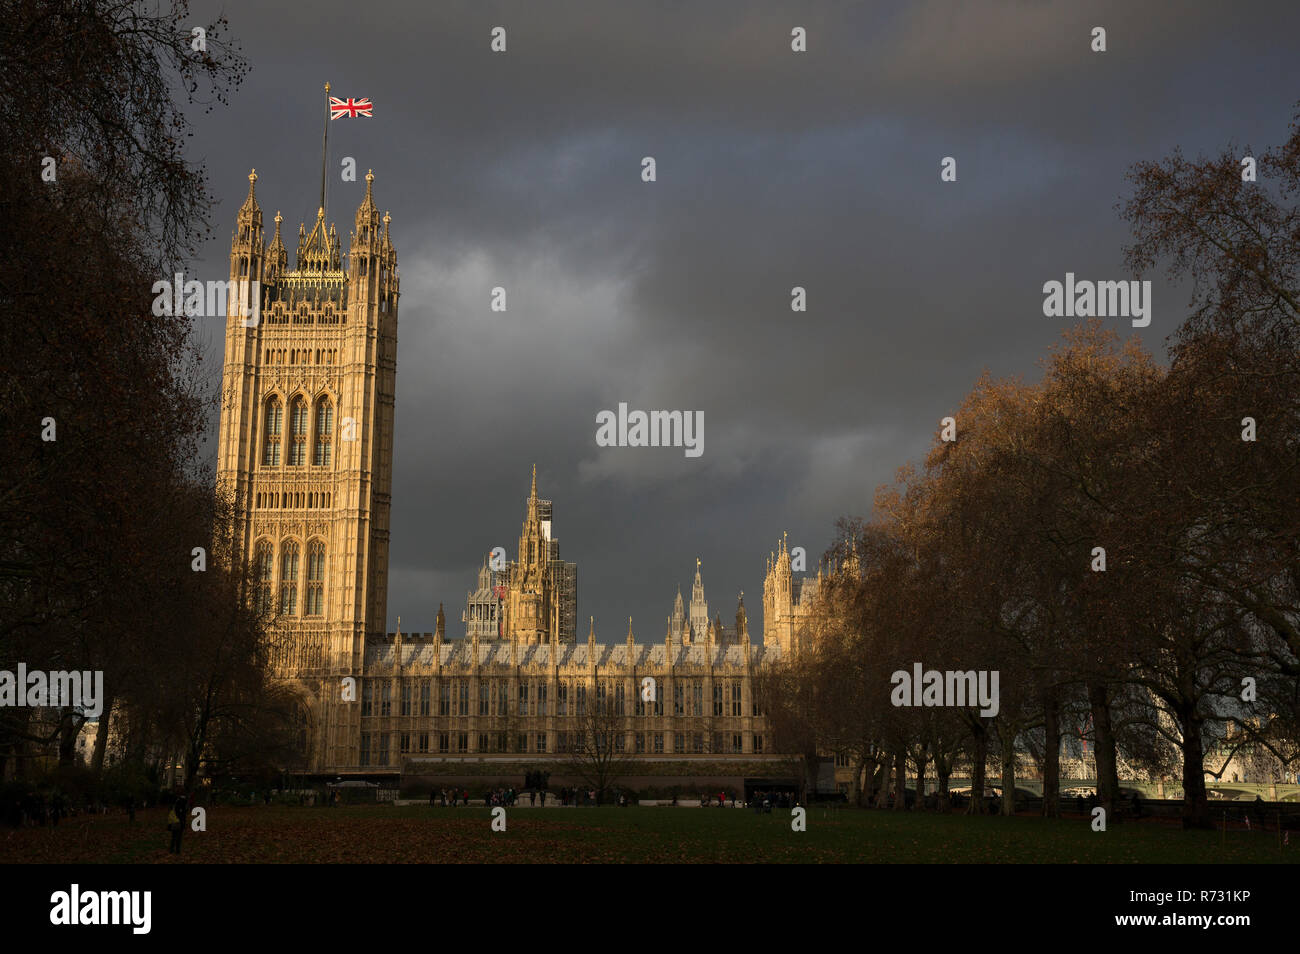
<point x="315" y="579"/>
<point x="271" y="433"/>
<point x="264" y="565"/>
<point x="298" y="433"/>
<point x="289" y="578"/>
<point x="324" y="430"/>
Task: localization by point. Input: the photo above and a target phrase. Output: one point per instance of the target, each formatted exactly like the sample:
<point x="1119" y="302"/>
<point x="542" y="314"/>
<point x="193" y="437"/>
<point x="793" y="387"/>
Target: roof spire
<point x="533" y="493"/>
<point x="250" y="203"/>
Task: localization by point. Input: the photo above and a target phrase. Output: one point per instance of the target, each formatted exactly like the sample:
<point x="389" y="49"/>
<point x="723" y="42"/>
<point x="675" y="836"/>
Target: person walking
<point x="176" y="825"/>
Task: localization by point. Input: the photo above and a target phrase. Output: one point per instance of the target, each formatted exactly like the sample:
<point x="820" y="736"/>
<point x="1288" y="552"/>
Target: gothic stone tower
<point x="305" y="443"/>
<point x="531" y="600"/>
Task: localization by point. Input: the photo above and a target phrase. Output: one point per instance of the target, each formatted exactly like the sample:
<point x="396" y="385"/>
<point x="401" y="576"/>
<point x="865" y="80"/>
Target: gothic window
<point x="264" y="561"/>
<point x="385" y="699"/>
<point x="620" y="703"/>
<point x="562" y="699"/>
<point x="406" y="702"/>
<point x="324" y="430"/>
<point x="698" y="695"/>
<point x="289" y="578"/>
<point x="679" y="696"/>
<point x="464" y="699"/>
<point x="758" y="745"/>
<point x="580" y="700"/>
<point x="484" y="701"/>
<point x="541" y="702"/>
<point x="298" y="433"/>
<point x="717" y="698"/>
<point x="523" y="698"/>
<point x="365" y="748"/>
<point x="367" y="697"/>
<point x="315" y="579"/>
<point x="426" y="698"/>
<point x="735" y="697"/>
<point x="659" y="743"/>
<point x="271" y="433"/>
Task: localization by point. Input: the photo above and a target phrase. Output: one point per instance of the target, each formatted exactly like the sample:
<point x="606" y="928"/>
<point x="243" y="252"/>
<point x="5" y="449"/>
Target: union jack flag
<point x="350" y="107"/>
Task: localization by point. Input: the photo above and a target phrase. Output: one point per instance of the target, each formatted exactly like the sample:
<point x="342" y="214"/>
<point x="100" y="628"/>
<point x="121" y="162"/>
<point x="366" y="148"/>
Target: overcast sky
<point x="821" y="169"/>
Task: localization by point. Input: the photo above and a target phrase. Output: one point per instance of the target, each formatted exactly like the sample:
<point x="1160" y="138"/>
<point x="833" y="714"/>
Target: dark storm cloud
<point x="774" y="170"/>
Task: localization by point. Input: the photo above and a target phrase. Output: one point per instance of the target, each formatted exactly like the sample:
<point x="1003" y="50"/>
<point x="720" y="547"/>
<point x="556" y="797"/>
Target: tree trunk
<point x="1051" y="753"/>
<point x="1008" y="736"/>
<point x="1107" y="772"/>
<point x="1196" y="806"/>
<point x="880" y="785"/>
<point x="69" y="728"/>
<point x="101" y="737"/>
<point x="858" y="765"/>
<point x="921" y="762"/>
<point x="979" y="755"/>
<point x="943" y="769"/>
<point x="900" y="780"/>
<point x="20" y="746"/>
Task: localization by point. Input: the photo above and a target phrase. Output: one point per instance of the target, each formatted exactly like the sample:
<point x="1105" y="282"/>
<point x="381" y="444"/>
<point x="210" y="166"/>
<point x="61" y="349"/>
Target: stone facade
<point x="306" y="451"/>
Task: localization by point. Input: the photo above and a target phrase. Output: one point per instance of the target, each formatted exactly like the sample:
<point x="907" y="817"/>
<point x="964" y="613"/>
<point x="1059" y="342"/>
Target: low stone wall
<point x="418" y="786"/>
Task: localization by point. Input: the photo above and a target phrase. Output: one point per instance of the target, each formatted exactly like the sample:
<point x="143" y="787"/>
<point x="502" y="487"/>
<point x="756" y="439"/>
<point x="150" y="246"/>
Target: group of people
<point x="579" y="796"/>
<point x="441" y="796"/>
<point x="764" y="802"/>
<point x="505" y="797"/>
<point x="38" y="809"/>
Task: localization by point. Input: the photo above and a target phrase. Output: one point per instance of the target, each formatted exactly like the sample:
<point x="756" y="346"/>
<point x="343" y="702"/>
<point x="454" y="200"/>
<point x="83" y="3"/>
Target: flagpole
<point x="324" y="145"/>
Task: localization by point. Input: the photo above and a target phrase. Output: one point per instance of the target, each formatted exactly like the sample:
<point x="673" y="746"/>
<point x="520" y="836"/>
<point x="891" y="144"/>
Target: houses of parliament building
<point x="305" y="451"/>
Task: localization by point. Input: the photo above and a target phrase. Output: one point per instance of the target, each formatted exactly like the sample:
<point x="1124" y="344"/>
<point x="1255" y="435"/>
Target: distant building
<point x="306" y="450"/>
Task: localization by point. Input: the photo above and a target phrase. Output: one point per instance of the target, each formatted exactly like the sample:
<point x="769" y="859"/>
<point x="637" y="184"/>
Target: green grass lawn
<point x="381" y="834"/>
